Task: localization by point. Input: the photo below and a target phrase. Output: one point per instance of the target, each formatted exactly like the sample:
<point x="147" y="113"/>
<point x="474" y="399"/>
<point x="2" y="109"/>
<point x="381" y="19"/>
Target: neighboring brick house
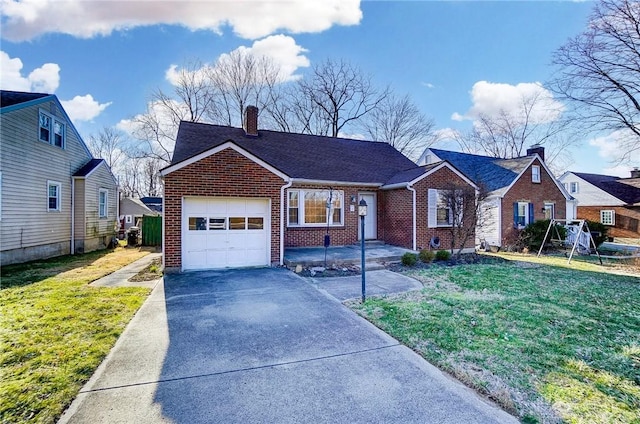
<point x="515" y="192"/>
<point x="238" y="197"/>
<point x="611" y="200"/>
<point x="55" y="198"/>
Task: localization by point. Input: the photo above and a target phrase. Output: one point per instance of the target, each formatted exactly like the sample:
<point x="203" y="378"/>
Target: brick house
<point x="515" y="192"/>
<point x="611" y="200"/>
<point x="238" y="196"/>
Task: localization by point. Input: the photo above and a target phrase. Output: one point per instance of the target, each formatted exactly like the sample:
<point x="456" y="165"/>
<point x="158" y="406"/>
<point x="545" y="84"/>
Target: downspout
<point x="73" y="216"/>
<point x="415" y="237"/>
<point x="282" y="221"/>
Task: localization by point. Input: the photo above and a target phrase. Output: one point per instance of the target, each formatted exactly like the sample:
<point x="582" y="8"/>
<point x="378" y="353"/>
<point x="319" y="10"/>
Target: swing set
<point x="579" y="237"/>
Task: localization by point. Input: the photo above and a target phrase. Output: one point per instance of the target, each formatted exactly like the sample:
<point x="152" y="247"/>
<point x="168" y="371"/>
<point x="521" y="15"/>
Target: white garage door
<point x="225" y="232"/>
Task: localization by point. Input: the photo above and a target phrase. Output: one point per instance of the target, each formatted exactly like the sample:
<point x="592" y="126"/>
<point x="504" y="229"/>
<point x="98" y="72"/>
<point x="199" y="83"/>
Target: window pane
<point x="337" y="216"/>
<point x="45" y="127"/>
<point x="53" y="203"/>
<point x="293" y="199"/>
<point x="197" y="223"/>
<point x="315" y="207"/>
<point x="443" y="215"/>
<point x="293" y="216"/>
<point x="236" y="223"/>
<point x="255" y="223"/>
<point x="58" y="134"/>
<point x="53" y="191"/>
<point x="217" y="223"/>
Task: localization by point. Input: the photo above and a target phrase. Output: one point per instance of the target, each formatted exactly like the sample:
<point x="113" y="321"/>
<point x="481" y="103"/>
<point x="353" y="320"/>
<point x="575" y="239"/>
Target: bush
<point x="532" y="235"/>
<point x="409" y="259"/>
<point x="598" y="231"/>
<point x="443" y="255"/>
<point x="426" y="255"/>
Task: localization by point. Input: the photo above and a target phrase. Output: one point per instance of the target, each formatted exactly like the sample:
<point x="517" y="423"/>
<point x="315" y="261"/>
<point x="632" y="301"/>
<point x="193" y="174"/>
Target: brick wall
<point x="627" y="219"/>
<point x="524" y="190"/>
<point x="225" y="174"/>
<point x="398" y="213"/>
<point x="340" y="235"/>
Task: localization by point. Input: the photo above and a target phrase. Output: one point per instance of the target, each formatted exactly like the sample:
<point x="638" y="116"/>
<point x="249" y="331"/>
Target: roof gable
<point x="20" y="98"/>
<point x="299" y="156"/>
<point x="91" y="167"/>
<point x="614" y="186"/>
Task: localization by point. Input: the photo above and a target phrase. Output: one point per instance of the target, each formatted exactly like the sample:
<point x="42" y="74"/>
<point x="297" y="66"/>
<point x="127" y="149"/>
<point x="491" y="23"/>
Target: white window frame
<point x="550" y="206"/>
<point x="525" y="215"/>
<point x="128" y="219"/>
<point x="58" y="185"/>
<point x="435" y="202"/>
<point x="573" y="187"/>
<point x="336" y="194"/>
<point x="53" y="121"/>
<point x="608" y="217"/>
<point x="535" y="173"/>
<point x="103" y="213"/>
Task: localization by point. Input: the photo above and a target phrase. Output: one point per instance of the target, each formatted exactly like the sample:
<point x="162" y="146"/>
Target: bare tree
<point x="599" y="71"/>
<point x="339" y="94"/>
<point x="467" y="213"/>
<point x="508" y="133"/>
<point x="399" y="122"/>
<point x="109" y="144"/>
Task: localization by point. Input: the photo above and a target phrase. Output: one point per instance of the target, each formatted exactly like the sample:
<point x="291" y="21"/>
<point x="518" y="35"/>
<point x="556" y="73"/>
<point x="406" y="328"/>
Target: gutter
<point x="333" y="183"/>
<point x="282" y="220"/>
<point x="73" y="216"/>
<point x="414" y="217"/>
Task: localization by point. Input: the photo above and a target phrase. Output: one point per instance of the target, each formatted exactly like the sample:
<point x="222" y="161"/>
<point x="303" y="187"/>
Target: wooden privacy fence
<point x="151" y="230"/>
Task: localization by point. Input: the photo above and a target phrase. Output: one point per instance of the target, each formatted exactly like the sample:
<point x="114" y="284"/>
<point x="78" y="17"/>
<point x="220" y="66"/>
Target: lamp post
<point x="362" y="211"/>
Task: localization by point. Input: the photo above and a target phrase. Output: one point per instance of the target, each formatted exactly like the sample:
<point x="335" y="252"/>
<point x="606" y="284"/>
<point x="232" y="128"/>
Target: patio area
<point x="375" y="252"/>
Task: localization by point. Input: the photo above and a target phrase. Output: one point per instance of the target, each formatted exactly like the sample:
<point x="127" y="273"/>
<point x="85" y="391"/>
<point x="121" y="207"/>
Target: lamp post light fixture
<point x="362" y="211"/>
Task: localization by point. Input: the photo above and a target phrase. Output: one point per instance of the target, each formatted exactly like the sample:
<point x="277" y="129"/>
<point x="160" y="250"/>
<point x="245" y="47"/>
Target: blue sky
<point x="456" y="59"/>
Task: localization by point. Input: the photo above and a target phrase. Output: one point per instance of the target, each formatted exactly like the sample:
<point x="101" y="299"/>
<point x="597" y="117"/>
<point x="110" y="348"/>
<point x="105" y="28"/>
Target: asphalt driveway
<point x="263" y="345"/>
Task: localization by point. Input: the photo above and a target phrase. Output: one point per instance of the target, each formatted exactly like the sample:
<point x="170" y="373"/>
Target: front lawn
<point x="548" y="343"/>
<point x="55" y="330"/>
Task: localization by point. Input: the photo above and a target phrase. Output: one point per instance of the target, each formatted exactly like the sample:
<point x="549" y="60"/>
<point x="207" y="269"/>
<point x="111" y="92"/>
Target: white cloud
<point x="27" y="19"/>
<point x="83" y="108"/>
<point x="613" y="146"/>
<point x="427" y="84"/>
<point x="444" y="134"/>
<point x="493" y="99"/>
<point x="44" y="79"/>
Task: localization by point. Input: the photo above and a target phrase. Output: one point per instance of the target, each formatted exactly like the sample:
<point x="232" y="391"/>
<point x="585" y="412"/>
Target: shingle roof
<point x="88" y="167"/>
<point x="492" y="173"/>
<point x="615" y="186"/>
<point x="300" y="155"/>
<point x="10" y="98"/>
<point x="411" y="174"/>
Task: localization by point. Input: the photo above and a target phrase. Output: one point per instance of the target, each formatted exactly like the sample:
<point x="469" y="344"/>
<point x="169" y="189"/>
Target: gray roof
<point x="88" y="167"/>
<point x="491" y="173"/>
<point x="615" y="186"/>
<point x="300" y="155"/>
<point x="411" y="174"/>
<point x="10" y="98"/>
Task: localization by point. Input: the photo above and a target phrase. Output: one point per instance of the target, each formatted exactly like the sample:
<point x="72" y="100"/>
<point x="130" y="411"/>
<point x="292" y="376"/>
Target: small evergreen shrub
<point x="409" y="259"/>
<point x="532" y="235"/>
<point x="443" y="255"/>
<point x="427" y="256"/>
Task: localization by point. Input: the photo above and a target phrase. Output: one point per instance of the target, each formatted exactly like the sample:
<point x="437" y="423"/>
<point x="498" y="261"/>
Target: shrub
<point x="426" y="255"/>
<point x="532" y="235"/>
<point x="409" y="259"/>
<point x="598" y="231"/>
<point x="443" y="255"/>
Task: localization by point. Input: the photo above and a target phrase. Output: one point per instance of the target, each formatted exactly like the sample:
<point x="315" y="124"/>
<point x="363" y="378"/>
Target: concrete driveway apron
<point x="264" y="346"/>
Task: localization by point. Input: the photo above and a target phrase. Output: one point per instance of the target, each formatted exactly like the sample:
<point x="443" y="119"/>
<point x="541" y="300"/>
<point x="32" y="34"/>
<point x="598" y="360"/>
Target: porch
<point x="375" y="252"/>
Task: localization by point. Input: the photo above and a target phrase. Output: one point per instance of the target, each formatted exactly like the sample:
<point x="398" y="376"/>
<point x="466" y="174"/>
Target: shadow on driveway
<point x="262" y="345"/>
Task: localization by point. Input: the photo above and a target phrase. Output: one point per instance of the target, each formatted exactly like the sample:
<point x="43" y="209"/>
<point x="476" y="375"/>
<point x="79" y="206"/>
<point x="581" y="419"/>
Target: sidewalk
<point x="120" y="278"/>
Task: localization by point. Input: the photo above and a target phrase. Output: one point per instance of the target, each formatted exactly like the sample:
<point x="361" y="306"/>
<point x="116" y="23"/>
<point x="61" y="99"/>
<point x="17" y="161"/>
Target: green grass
<point x="55" y="330"/>
<point x="548" y="343"/>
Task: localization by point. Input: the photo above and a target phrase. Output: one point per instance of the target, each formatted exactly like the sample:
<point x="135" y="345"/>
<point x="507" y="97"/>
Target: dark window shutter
<point x="531" y="213"/>
<point x="515" y="215"/>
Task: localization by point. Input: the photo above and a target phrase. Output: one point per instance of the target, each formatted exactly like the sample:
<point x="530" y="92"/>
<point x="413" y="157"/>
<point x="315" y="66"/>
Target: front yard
<point x="548" y="343"/>
<point x="55" y="330"/>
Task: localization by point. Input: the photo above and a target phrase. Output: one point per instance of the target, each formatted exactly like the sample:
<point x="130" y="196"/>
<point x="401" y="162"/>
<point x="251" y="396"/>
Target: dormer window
<point x="52" y="131"/>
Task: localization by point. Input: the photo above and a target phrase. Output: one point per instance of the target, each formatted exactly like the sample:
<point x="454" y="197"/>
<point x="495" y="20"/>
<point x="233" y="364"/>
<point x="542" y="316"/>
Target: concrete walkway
<point x="377" y="283"/>
<point x="342" y="255"/>
<point x="263" y="346"/>
<point x="120" y="278"/>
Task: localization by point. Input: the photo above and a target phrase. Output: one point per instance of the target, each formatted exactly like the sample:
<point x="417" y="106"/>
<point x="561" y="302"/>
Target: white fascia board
<point x="335" y="183"/>
<point x="566" y="195"/>
<point x="226" y="145"/>
<point x="429" y="172"/>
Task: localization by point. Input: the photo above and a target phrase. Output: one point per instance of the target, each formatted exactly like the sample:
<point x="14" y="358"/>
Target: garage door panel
<point x="225" y="232"/>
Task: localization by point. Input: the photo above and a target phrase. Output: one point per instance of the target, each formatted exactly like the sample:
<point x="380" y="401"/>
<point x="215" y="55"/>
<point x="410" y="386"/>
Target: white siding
<point x="96" y="228"/>
<point x="488" y="226"/>
<point x="588" y="194"/>
<point x="26" y="164"/>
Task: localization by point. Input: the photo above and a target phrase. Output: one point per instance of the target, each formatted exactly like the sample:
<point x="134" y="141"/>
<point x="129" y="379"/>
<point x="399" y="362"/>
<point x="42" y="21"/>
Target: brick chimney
<point x="251" y="120"/>
<point x="536" y="148"/>
<point x="635" y="173"/>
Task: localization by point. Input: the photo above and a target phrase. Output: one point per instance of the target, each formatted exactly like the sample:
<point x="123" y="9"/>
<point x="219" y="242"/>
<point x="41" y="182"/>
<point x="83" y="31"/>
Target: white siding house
<point x="40" y="208"/>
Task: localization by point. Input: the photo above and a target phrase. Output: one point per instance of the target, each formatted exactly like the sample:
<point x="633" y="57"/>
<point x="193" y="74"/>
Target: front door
<point x="371" y="219"/>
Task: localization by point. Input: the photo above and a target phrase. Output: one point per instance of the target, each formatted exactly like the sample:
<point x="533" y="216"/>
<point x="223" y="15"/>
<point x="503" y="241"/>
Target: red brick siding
<point x="224" y="174"/>
<point x="627" y="219"/>
<point x="340" y="235"/>
<point x="398" y="213"/>
<point x="524" y="190"/>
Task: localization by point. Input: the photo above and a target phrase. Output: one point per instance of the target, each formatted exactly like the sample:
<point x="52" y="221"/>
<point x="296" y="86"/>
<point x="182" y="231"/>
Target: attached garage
<point x="225" y="232"/>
